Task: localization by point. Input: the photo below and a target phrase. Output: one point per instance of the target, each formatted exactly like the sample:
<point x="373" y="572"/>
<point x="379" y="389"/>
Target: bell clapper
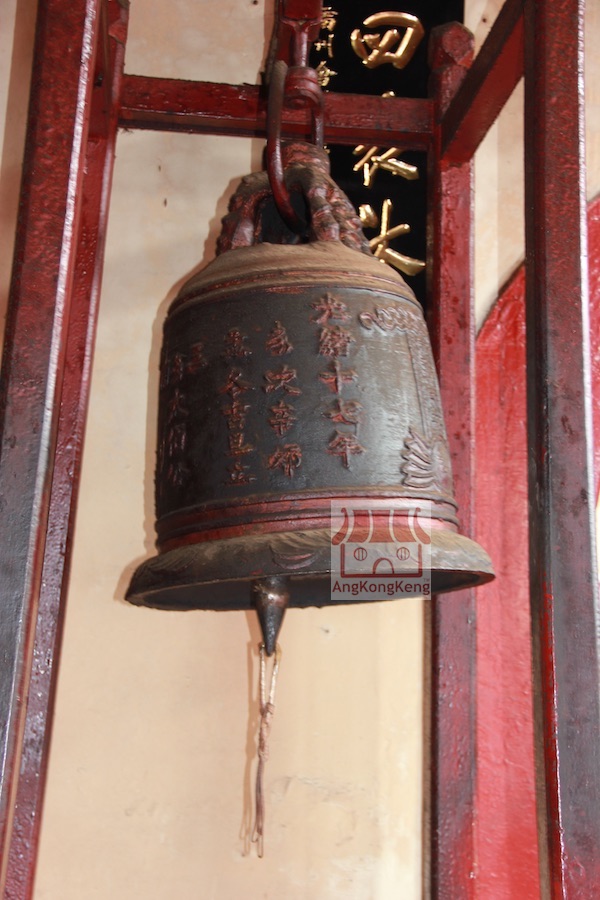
<point x="271" y="599"/>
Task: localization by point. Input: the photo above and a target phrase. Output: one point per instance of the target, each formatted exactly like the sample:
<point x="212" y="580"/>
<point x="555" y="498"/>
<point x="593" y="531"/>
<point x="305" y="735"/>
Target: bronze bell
<point x="296" y="371"/>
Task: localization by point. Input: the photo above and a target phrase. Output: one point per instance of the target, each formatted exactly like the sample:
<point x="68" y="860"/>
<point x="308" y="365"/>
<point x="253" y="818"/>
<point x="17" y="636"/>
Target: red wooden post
<point x="564" y="587"/>
<point x="452" y="626"/>
<point x="56" y="276"/>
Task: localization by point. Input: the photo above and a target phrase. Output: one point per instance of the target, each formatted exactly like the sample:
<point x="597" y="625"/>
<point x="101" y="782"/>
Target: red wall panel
<point x="507" y="844"/>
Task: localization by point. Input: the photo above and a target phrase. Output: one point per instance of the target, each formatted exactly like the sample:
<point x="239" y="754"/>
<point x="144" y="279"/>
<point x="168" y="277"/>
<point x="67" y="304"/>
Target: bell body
<point x="293" y="376"/>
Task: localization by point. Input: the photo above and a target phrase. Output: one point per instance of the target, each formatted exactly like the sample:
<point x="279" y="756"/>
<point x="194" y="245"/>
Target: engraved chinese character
<point x="336" y="377"/>
<point x="335" y="341"/>
<point x="235" y="385"/>
<point x="236" y="413"/>
<point x="281" y="379"/>
<point x="172" y="370"/>
<point x="239" y="474"/>
<point x="235" y="347"/>
<point x="329" y="307"/>
<point x="177" y="473"/>
<point x="176" y="439"/>
<point x="177" y="369"/>
<point x="346" y="412"/>
<point x="287" y="458"/>
<point x="176" y="405"/>
<point x="345" y="445"/>
<point x="282" y="419"/>
<point x="376" y="50"/>
<point x="197" y="359"/>
<point x="237" y="446"/>
<point x="277" y="343"/>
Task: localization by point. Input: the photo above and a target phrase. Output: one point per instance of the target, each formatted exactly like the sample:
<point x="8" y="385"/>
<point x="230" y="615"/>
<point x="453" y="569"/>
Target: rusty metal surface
<point x="328" y="216"/>
<point x="564" y="583"/>
<point x="452" y="625"/>
<point x="293" y="374"/>
<point x="305" y="90"/>
<point x="297" y="350"/>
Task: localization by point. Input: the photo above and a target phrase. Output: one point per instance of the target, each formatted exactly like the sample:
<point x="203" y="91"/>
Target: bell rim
<point x="191" y="576"/>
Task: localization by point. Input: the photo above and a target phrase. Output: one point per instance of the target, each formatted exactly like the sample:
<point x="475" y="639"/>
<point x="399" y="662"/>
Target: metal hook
<point x="303" y="89"/>
<point x="281" y="194"/>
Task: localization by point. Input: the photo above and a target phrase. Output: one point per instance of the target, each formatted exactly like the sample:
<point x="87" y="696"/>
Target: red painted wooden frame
<point x="563" y="575"/>
<point x="169" y="104"/>
<point x="452" y="625"/>
<point x="51" y="318"/>
<point x="45" y="378"/>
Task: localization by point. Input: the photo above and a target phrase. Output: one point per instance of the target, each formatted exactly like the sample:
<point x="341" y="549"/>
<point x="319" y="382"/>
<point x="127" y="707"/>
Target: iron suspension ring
<point x="303" y="90"/>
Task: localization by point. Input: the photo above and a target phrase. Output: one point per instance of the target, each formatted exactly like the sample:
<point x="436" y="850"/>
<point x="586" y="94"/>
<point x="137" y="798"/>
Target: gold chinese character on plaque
<point x="325" y="44"/>
<point x="380" y="244"/>
<point x="372" y="161"/>
<point x="328" y="22"/>
<point x="393" y="46"/>
<point x="324" y="73"/>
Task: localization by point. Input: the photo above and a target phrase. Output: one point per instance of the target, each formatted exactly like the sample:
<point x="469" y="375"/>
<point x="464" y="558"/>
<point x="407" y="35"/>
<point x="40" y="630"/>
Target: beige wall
<point x="155" y="734"/>
<point x="154" y="747"/>
<point x="499" y="222"/>
<point x="17" y="22"/>
<point x="153" y="755"/>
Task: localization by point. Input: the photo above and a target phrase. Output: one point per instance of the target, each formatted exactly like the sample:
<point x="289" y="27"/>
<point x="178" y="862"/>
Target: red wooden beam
<point x="564" y="584"/>
<point x="496" y="71"/>
<point x="452" y="618"/>
<point x="201" y="107"/>
<point x="21" y="846"/>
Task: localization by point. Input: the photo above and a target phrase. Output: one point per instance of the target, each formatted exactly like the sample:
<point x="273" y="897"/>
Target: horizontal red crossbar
<point x="202" y="107"/>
